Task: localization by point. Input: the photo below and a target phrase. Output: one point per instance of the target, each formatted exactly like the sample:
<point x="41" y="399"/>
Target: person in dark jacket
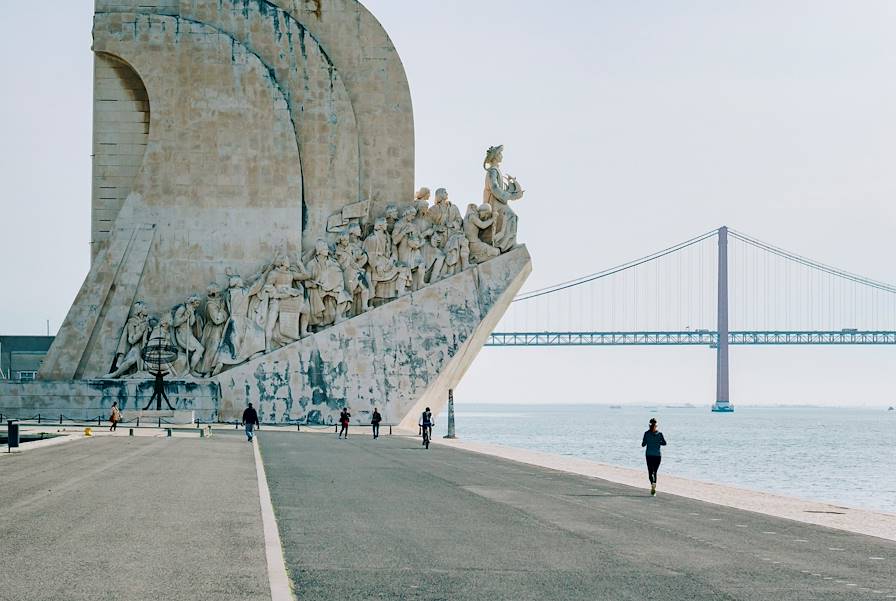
<point x="344" y="419"/>
<point x="653" y="439"/>
<point x="250" y="420"/>
<point x="375" y="420"/>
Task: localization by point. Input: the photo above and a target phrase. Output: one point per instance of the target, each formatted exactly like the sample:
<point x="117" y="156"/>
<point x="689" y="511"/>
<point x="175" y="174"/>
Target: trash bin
<point x="12" y="434"/>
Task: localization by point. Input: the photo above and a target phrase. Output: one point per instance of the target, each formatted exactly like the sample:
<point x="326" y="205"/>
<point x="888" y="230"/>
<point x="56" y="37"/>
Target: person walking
<point x="653" y="439"/>
<point x="114" y="417"/>
<point x="375" y="420"/>
<point x="250" y="420"/>
<point x="344" y="419"/>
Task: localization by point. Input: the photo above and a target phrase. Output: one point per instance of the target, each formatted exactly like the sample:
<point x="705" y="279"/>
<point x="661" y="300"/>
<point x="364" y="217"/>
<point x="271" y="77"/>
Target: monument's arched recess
<point x="230" y="132"/>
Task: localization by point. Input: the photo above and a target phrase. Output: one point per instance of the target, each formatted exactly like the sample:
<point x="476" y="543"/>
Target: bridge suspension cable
<point x="674" y="290"/>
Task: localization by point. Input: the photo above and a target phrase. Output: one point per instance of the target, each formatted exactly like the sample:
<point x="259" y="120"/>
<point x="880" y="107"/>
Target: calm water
<point x="840" y="456"/>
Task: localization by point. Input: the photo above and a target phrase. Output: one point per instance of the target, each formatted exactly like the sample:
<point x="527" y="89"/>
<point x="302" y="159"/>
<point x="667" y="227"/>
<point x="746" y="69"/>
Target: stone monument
<point x="253" y="208"/>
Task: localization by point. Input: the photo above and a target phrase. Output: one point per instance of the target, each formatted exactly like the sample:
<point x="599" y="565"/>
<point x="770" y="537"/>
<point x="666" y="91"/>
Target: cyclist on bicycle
<point x="426" y="422"/>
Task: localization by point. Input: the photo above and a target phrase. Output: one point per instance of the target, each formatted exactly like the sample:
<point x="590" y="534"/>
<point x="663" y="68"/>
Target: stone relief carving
<point x="407" y="247"/>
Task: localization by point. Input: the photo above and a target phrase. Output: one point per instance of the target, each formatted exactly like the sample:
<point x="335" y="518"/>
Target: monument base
<point x="166" y="417"/>
<point x="92" y="399"/>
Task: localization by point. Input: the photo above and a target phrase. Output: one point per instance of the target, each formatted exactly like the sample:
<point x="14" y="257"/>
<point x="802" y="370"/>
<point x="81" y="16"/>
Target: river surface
<point x="836" y="455"/>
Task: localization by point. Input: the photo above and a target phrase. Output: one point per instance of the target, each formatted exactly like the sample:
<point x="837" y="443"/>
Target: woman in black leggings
<point x="653" y="440"/>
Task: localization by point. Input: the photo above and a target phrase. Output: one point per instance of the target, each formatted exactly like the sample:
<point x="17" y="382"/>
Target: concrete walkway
<point x="113" y="518"/>
<point x="386" y="519"/>
<point x="873" y="523"/>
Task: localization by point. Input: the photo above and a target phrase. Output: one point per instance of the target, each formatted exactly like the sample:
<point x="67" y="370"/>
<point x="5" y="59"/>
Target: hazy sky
<point x="632" y="125"/>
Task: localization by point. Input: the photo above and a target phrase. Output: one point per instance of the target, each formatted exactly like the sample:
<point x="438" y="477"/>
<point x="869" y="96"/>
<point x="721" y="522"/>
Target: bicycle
<point x="426" y="435"/>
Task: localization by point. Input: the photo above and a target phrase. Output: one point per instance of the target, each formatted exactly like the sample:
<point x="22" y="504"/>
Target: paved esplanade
<point x="134" y="519"/>
<point x="386" y="519"/>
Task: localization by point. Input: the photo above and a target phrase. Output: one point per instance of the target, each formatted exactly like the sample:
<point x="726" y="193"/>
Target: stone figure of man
<point x="187" y="327"/>
<point x="499" y="191"/>
<point x="213" y="331"/>
<point x="288" y="315"/>
<point x="408" y="244"/>
<point x="131" y="343"/>
<point x="243" y="335"/>
<point x="387" y="279"/>
<point x="443" y="212"/>
<point x="433" y="257"/>
<point x="476" y="223"/>
<point x="326" y="287"/>
<point x="353" y="261"/>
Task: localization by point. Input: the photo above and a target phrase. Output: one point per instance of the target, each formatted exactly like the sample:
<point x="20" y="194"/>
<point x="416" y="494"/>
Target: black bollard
<point x="12" y="435"/>
<point x="60" y="419"/>
<point x="130" y="431"/>
<point x="38" y="418"/>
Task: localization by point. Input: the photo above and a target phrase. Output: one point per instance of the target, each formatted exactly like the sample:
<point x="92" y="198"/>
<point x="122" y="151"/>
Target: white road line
<point x="765" y="532"/>
<point x="800" y="540"/>
<point x="877" y="558"/>
<point x="279" y="581"/>
<point x="835" y="549"/>
<point x="741" y="525"/>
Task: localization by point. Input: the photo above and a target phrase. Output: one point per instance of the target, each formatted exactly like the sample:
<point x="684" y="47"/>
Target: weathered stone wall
<point x="120" y="133"/>
<point x="88" y="399"/>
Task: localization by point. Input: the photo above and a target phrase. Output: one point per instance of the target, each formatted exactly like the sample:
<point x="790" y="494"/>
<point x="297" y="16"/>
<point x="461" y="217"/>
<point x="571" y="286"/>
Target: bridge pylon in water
<point x="722" y="404"/>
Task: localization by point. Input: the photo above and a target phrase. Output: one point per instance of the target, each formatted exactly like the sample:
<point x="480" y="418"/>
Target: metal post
<point x="450" y="414"/>
<point x="722" y="403"/>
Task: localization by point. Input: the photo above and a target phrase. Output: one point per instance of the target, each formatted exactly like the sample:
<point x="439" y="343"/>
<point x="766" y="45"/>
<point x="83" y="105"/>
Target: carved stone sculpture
<point x="326" y="288"/>
<point x="243" y="335"/>
<point x="387" y="279"/>
<point x="476" y="223"/>
<point x="499" y="191"/>
<point x="443" y="213"/>
<point x="133" y="338"/>
<point x="408" y="243"/>
<point x="433" y="257"/>
<point x="213" y="332"/>
<point x="187" y="331"/>
<point x="288" y="315"/>
<point x="353" y="260"/>
<point x="391" y="217"/>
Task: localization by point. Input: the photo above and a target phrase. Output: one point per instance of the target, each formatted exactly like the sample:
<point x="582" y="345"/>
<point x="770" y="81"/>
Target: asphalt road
<point x="386" y="519"/>
<point x="132" y="519"/>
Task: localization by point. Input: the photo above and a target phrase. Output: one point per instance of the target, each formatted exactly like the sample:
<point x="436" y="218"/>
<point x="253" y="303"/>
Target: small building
<point x="21" y="356"/>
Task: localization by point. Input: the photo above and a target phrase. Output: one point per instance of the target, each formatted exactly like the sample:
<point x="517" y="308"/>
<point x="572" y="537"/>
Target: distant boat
<point x="891" y="408"/>
<point x="684" y="406"/>
<point x="620" y="407"/>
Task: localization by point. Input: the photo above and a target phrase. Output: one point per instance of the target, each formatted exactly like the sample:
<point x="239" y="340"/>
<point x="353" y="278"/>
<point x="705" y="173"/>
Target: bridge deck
<point x="691" y="338"/>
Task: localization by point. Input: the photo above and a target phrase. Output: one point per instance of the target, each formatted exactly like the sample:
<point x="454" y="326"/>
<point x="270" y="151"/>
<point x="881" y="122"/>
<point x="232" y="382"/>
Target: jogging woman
<point x="653" y="440"/>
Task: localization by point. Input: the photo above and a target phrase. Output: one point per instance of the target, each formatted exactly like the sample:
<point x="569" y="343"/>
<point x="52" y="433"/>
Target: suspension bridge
<point x="718" y="289"/>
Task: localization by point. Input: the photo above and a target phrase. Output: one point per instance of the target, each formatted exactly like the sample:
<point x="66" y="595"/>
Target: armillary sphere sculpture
<point x="157" y="353"/>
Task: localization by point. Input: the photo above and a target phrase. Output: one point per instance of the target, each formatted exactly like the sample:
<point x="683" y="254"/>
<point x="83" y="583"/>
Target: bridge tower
<point x="722" y="403"/>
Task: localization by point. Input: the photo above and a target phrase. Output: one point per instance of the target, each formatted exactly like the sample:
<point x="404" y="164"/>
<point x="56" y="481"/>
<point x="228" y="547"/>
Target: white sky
<point x="632" y="125"/>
